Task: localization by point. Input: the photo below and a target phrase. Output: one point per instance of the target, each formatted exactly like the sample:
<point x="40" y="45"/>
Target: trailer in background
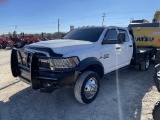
<point x="147" y="37"/>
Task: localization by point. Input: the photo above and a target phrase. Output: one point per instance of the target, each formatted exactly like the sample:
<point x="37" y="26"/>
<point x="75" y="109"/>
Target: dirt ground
<point x="129" y="96"/>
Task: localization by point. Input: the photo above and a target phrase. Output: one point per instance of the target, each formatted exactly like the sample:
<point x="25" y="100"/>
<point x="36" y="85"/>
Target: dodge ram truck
<point x="80" y="59"/>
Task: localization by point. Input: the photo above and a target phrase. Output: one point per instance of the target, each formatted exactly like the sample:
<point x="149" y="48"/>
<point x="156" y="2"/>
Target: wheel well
<point x="95" y="68"/>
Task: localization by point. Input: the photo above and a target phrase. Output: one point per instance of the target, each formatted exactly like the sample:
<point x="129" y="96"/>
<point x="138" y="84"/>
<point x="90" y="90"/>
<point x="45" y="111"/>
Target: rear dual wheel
<point x="144" y="66"/>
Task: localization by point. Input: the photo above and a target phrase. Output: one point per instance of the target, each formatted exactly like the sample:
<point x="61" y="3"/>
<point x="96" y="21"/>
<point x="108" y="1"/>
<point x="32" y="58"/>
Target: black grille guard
<point x="16" y="71"/>
<point x="35" y="76"/>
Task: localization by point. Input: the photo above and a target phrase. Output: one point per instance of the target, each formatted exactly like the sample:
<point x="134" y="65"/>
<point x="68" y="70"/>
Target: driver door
<point x="110" y="51"/>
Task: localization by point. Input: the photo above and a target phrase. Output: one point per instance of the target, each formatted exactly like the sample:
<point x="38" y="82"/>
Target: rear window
<point x="86" y="34"/>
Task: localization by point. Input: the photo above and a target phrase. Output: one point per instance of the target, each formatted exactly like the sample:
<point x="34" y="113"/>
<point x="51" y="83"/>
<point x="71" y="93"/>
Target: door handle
<point x="118" y="47"/>
<point x="130" y="45"/>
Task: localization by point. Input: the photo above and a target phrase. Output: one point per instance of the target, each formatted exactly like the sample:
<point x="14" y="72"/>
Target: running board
<point x="113" y="72"/>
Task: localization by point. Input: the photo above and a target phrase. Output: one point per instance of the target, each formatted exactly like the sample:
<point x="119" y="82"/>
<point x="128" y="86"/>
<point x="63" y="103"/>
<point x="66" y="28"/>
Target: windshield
<point x="86" y="34"/>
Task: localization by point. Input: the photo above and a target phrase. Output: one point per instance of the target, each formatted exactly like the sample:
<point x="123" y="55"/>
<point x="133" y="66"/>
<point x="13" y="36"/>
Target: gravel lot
<point x="134" y="100"/>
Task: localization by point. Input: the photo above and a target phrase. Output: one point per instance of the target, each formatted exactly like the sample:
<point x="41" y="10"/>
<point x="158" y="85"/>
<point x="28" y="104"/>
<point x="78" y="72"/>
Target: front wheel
<point x="156" y="112"/>
<point x="87" y="87"/>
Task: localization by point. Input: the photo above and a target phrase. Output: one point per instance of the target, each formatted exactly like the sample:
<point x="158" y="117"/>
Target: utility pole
<point x="58" y="27"/>
<point x="15" y="27"/>
<point x="103" y="16"/>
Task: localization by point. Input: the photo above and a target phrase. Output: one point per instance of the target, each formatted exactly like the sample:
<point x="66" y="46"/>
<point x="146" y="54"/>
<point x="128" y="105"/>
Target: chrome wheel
<point x="87" y="87"/>
<point x="90" y="88"/>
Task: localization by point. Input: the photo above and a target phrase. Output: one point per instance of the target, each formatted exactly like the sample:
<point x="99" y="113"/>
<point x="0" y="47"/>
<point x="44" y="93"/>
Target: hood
<point x="64" y="46"/>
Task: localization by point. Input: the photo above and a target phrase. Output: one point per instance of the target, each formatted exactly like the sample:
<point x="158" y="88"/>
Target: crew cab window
<point x="124" y="31"/>
<point x="111" y="35"/>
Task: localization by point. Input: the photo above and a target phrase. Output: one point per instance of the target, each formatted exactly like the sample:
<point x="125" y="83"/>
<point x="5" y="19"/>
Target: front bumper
<point x="43" y="79"/>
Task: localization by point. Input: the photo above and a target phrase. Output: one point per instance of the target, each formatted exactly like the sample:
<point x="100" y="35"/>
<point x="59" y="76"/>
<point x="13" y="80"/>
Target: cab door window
<point x="111" y="35"/>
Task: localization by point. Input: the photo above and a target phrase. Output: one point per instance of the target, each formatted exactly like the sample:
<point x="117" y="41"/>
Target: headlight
<point x="44" y="63"/>
<point x="63" y="63"/>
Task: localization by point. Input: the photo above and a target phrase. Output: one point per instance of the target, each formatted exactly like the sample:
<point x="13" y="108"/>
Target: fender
<point x="90" y="61"/>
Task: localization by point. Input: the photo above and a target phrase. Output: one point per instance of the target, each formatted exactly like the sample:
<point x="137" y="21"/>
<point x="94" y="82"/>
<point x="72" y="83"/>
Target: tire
<point x="19" y="44"/>
<point x="4" y="45"/>
<point x="156" y="112"/>
<point x="144" y="66"/>
<point x="86" y="81"/>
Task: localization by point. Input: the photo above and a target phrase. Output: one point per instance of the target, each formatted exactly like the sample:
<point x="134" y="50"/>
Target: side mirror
<point x="121" y="37"/>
